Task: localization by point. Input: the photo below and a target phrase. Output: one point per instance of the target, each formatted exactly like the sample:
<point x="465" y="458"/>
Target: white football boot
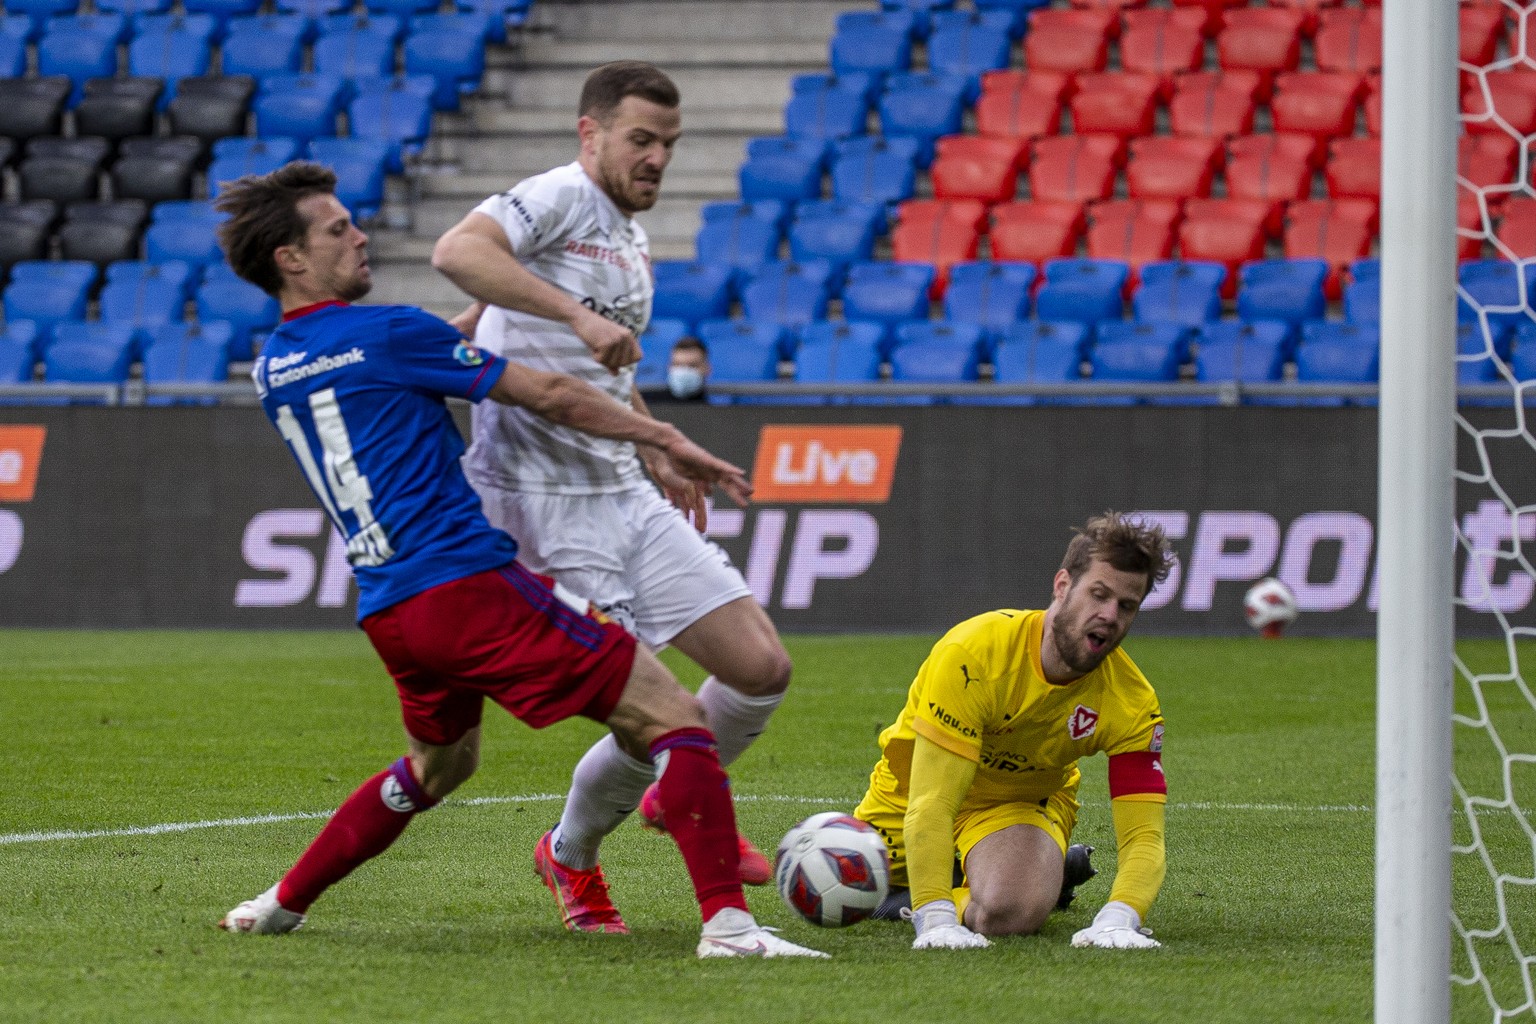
<point x="262" y="916"/>
<point x="733" y="932"/>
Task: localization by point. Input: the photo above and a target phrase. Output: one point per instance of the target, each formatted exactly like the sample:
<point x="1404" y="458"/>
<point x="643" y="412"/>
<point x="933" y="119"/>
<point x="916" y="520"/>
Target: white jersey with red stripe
<point x="566" y="231"/>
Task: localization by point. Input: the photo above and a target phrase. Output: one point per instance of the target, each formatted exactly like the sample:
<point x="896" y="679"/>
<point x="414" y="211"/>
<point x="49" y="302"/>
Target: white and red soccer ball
<point x="832" y="869"/>
<point x="1269" y="607"/>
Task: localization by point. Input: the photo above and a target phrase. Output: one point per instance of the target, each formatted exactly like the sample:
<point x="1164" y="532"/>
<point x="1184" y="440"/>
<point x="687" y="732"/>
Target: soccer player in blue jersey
<point x="357" y="393"/>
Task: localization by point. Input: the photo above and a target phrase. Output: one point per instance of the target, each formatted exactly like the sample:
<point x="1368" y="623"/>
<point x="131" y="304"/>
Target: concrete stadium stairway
<point x="732" y="60"/>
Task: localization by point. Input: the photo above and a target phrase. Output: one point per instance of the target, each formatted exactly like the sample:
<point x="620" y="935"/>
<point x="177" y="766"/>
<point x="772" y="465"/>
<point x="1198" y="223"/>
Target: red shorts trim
<point x="503" y="634"/>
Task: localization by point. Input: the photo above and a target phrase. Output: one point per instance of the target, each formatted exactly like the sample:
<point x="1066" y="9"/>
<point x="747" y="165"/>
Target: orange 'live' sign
<point x="21" y="450"/>
<point x="826" y="463"/>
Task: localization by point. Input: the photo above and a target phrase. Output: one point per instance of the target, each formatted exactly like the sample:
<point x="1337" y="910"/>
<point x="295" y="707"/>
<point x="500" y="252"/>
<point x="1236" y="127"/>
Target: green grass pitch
<point x="1266" y="913"/>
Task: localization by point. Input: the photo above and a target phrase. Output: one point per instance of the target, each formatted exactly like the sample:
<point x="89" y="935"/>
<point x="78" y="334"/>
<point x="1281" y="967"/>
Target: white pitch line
<point x="549" y="797"/>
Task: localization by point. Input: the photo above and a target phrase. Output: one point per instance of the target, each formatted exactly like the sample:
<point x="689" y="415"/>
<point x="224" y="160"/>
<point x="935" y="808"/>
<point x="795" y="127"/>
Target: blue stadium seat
<point x="866" y="85"/>
<point x="471" y="23"/>
<point x="742" y="351"/>
<point x="89" y="353"/>
<point x="1362" y="302"/>
<point x="1242" y="351"/>
<point x="255" y="156"/>
<point x="922" y="107"/>
<point x="1493" y="287"/>
<point x="691" y="291"/>
<point x="656" y="345"/>
<point x="968" y="47"/>
<point x="78" y="53"/>
<point x="48" y="292"/>
<point x="314" y="9"/>
<point x="20" y="27"/>
<point x="250" y="312"/>
<point x="355" y="54"/>
<point x="1083" y="290"/>
<point x="768" y="146"/>
<point x="143" y="303"/>
<point x="264" y="46"/>
<point x="1367" y="269"/>
<point x="1140" y="351"/>
<point x="454" y="59"/>
<point x="1180" y="291"/>
<point x="1018" y="9"/>
<point x="200" y="210"/>
<point x="875" y="169"/>
<point x="132" y="272"/>
<point x="169" y="55"/>
<point x="826" y="114"/>
<point x="875" y="50"/>
<point x="1287" y="290"/>
<point x="840" y="232"/>
<point x="202" y="26"/>
<point x="906" y="22"/>
<point x="782" y="169"/>
<point x="115" y="25"/>
<point x="887" y="294"/>
<point x="930" y="362"/>
<point x="787" y="293"/>
<point x="187" y="354"/>
<point x="838" y="353"/>
<point x="300" y="107"/>
<point x="42" y="9"/>
<point x="1338" y="353"/>
<point x="921" y="10"/>
<point x="188" y="241"/>
<point x="223" y="11"/>
<point x="397" y="111"/>
<point x="18" y="351"/>
<point x="1478" y="356"/>
<point x="13" y="56"/>
<point x="403" y="8"/>
<point x="773" y="211"/>
<point x="359" y="166"/>
<point x="502" y="14"/>
<point x="1038" y="352"/>
<point x="954" y="334"/>
<point x="994" y="295"/>
<point x="742" y="243"/>
<point x="391" y="26"/>
<point x="244" y="147"/>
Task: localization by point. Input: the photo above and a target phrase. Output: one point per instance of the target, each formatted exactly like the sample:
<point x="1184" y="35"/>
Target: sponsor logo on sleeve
<point x="826" y="463"/>
<point x="1156" y="746"/>
<point x="21" y="452"/>
<point x="944" y="717"/>
<point x="466" y="354"/>
<point x="1082" y="722"/>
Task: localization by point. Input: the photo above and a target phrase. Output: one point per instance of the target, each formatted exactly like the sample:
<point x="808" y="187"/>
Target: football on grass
<point x="831" y="869"/>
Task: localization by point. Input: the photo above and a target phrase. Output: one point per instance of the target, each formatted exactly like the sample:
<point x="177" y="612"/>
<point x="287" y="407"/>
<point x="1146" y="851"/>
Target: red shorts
<point x="503" y="634"/>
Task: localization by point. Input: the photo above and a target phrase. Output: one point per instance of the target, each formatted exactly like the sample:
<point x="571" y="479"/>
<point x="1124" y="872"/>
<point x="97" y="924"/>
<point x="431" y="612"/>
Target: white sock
<point x="734" y="718"/>
<point x="605" y="787"/>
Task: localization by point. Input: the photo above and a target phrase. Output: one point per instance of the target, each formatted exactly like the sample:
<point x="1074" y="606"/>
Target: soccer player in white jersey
<point x="565" y="273"/>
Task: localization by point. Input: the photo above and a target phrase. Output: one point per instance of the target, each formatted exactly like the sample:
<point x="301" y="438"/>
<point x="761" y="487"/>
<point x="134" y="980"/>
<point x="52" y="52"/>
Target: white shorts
<point x="631" y="554"/>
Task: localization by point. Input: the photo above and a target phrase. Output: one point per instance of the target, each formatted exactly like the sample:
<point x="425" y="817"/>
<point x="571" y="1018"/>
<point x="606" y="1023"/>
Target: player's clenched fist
<point x="938" y="927"/>
<point x="1117" y="926"/>
<point x="612" y="345"/>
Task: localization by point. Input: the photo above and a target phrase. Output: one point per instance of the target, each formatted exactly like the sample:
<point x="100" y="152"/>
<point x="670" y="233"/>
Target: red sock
<point x="371" y="819"/>
<point x="696" y="805"/>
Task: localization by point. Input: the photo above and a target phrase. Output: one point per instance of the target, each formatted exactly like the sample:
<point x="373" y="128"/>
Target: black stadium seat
<point x="24" y="229"/>
<point x="210" y="108"/>
<point x="103" y="232"/>
<point x="83" y="147"/>
<point x="30" y="107"/>
<point x="62" y="179"/>
<point x="116" y="108"/>
<point x="155" y="170"/>
<point x="7" y="152"/>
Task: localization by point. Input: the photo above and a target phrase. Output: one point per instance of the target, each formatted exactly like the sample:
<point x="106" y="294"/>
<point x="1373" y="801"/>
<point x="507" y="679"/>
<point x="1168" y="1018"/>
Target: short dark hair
<point x="691" y="345"/>
<point x="607" y="86"/>
<point x="264" y="215"/>
<point x="1128" y="545"/>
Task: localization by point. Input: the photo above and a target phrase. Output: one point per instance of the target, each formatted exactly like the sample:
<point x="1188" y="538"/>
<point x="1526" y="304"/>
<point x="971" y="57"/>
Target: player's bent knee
<point x="762" y="669"/>
<point x="1006" y="918"/>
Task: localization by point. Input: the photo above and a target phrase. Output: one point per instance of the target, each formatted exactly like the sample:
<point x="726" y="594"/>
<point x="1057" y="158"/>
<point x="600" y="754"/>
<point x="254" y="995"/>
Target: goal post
<point x="1416" y="516"/>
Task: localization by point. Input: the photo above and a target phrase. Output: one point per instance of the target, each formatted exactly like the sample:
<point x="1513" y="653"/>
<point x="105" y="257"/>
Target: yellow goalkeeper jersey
<point x="983" y="695"/>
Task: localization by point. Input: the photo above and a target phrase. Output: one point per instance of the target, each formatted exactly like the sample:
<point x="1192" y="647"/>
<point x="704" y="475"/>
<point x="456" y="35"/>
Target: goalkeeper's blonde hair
<point x="1128" y="545"/>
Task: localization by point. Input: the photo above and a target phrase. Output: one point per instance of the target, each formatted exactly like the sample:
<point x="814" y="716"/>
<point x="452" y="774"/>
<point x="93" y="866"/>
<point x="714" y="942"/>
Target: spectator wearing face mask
<point x="687" y="373"/>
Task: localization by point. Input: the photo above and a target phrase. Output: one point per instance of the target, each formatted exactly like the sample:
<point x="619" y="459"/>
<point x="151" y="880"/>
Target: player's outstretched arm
<point x="476" y="255"/>
<point x="571" y="402"/>
<point x="687" y="496"/>
<point x="1142" y="864"/>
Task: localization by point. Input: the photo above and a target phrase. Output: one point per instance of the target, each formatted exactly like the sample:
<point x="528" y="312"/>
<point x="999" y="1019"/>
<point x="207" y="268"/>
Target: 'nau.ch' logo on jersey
<point x="468" y="355"/>
<point x="1082" y="723"/>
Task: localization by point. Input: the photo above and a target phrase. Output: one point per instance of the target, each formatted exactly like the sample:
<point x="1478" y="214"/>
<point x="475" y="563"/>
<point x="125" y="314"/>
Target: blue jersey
<point x="357" y="392"/>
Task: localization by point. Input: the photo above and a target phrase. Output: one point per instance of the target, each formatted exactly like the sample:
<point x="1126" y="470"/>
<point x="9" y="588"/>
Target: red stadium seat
<point x="1162" y="49"/>
<point x="1107" y="5"/>
<point x="1338" y="232"/>
<point x="972" y="167"/>
<point x="1318" y="103"/>
<point x="1262" y="39"/>
<point x="1471" y="231"/>
<point x="1068" y="40"/>
<point x="1354" y="169"/>
<point x="1481" y="30"/>
<point x="1135" y="233"/>
<point x="1035" y="231"/>
<point x="1245" y="82"/>
<point x="1074" y="168"/>
<point x="1517" y="231"/>
<point x="1268" y="174"/>
<point x="1373" y="104"/>
<point x="1021" y="113"/>
<point x="1294" y="147"/>
<point x="1167" y="212"/>
<point x="938" y="232"/>
<point x="1485" y="163"/>
<point x="1229" y="231"/>
<point x="1348" y="39"/>
<point x="1310" y="9"/>
<point x="1514" y="102"/>
<point x="1165" y="167"/>
<point x="1204" y="108"/>
<point x="1122" y="104"/>
<point x="1213" y="11"/>
<point x="1057" y="85"/>
<point x="1144" y="18"/>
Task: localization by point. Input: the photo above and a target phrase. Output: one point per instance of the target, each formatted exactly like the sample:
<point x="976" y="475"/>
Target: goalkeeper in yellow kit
<point x="982" y="761"/>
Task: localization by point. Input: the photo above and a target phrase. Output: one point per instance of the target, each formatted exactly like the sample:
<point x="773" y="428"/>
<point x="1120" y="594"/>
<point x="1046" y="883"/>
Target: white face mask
<point x="685" y="381"/>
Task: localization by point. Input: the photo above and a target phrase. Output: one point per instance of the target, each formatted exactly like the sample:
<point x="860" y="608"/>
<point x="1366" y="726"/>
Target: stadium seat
<point x="355" y="54"/>
<point x="169" y="55"/>
<point x="1268" y="175"/>
<point x="359" y="165"/>
<point x="1481" y="29"/>
<point x="691" y="291"/>
<point x="58" y="177"/>
<point x="401" y="8"/>
<point x="919" y="358"/>
<point x="186" y="354"/>
<point x="390" y="26"/>
<point x="1147" y="352"/>
<point x="250" y="312"/>
<point x="1317" y="103"/>
<point x="1020" y="112"/>
<point x="24" y="231"/>
<point x="656" y="344"/>
<point x="1262" y="39"/>
<point x="1513" y="97"/>
<point x="1212" y="11"/>
<point x="938" y="234"/>
<point x="1227" y="231"/>
<point x="874" y="169"/>
<point x="201" y="25"/>
<point x="972" y="167"/>
<point x="1517" y="229"/>
<point x="1179" y="292"/>
<point x="1336" y="232"/>
<point x="1135" y="232"/>
<point x="18" y="352"/>
<point x="773" y="212"/>
<point x="783" y="168"/>
<point x="1491" y="289"/>
<point x="260" y="46"/>
<point x="396" y="111"/>
<point x="874" y="50"/>
<point x="1354" y="169"/>
<point x="456" y="60"/>
<point x="1005" y="16"/>
<point x="839" y="353"/>
<point x="1362" y="302"/>
<point x="253" y="156"/>
<point x="1283" y="291"/>
<point x="77" y="53"/>
<point x="155" y="170"/>
<point x="827" y="114"/>
<point x="1337" y="353"/>
<point x="143" y="303"/>
<point x="1122" y="104"/>
<point x="922" y="107"/>
<point x="1085" y="291"/>
<point x="1162" y="48"/>
<point x="48" y="293"/>
<point x="300" y="107"/>
<point x="1166" y="167"/>
<point x="222" y="11"/>
<point x="88" y="353"/>
<point x="1070" y="41"/>
<point x="102" y="233"/>
<point x="1203" y="107"/>
<point x="838" y="232"/>
<point x="865" y="85"/>
<point x="887" y="294"/>
<point x="742" y="351"/>
<point x="470" y="23"/>
<point x="1034" y="231"/>
<point x="1241" y="351"/>
<point x="502" y="15"/>
<point x="211" y="108"/>
<point x="30" y="107"/>
<point x="190" y="242"/>
<point x="1056" y="85"/>
<point x="118" y="108"/>
<point x="742" y="243"/>
<point x="1039" y="352"/>
<point x="317" y="8"/>
<point x="1348" y="39"/>
<point x="968" y="47"/>
<point x="788" y="293"/>
<point x="1073" y="168"/>
<point x="992" y="294"/>
<point x="1487" y="162"/>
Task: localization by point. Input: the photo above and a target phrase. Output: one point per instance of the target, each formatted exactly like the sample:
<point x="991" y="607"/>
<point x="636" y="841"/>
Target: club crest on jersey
<point x="1082" y="723"/>
<point x="467" y="355"/>
<point x="1156" y="746"/>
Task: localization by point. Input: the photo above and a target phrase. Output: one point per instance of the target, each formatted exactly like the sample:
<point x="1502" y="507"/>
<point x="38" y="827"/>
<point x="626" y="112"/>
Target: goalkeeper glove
<point x="1117" y="926"/>
<point x="939" y="928"/>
